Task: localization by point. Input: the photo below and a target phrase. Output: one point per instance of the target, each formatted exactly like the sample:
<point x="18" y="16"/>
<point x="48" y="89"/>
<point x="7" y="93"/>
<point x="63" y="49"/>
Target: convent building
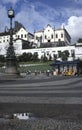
<point x="48" y="41"/>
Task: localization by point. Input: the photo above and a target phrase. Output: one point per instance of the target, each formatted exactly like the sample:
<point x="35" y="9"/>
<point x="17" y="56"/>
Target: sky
<point x="37" y="14"/>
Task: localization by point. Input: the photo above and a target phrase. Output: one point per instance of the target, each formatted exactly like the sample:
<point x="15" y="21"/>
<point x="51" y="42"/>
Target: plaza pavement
<point x="43" y="95"/>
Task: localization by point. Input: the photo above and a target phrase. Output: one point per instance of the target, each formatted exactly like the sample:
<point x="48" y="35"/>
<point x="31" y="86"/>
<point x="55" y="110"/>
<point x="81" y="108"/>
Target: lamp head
<point x="11" y="13"/>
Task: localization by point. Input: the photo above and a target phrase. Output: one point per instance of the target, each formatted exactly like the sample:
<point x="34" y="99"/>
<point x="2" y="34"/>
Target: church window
<point x="56" y="36"/>
<point x="52" y="36"/>
<point x="25" y="35"/>
<point x="21" y="35"/>
<point x="45" y="36"/>
<point x="61" y="35"/>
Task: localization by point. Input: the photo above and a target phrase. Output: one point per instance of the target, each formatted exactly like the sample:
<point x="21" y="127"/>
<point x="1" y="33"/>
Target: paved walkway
<point x="42" y="94"/>
<point x="56" y="90"/>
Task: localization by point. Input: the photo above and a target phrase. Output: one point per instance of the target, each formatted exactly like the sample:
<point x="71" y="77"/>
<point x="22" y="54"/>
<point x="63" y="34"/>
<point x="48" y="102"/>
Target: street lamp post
<point x="11" y="62"/>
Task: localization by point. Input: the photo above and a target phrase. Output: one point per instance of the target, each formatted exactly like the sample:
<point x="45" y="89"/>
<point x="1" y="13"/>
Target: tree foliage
<point x="25" y="57"/>
<point x="2" y="58"/>
<point x="79" y="40"/>
<point x="44" y="58"/>
<point x="35" y="57"/>
<point x="64" y="55"/>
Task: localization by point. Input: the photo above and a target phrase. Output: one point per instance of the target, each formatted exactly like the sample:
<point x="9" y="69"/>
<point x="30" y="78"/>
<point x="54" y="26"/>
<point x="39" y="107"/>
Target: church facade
<point x="50" y="37"/>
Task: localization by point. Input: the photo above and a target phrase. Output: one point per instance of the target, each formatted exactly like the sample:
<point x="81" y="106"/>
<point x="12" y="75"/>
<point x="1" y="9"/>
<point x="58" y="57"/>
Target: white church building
<point x="52" y="37"/>
<point x="48" y="41"/>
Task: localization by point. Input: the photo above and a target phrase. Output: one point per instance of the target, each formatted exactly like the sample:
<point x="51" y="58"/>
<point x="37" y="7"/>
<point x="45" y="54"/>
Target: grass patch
<point x="32" y="66"/>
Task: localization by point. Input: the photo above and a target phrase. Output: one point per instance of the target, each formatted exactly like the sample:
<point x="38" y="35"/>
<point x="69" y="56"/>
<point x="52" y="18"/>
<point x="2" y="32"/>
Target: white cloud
<point x="74" y="27"/>
<point x="78" y="1"/>
<point x="10" y="1"/>
<point x="75" y="1"/>
<point x="3" y="18"/>
<point x="35" y="16"/>
<point x="33" y="19"/>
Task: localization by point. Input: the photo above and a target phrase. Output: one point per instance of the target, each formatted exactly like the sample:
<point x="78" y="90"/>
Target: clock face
<point x="10" y="12"/>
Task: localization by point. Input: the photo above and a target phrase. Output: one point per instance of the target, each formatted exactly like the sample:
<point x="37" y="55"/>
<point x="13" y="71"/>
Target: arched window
<point x="52" y="36"/>
<point x="45" y="37"/>
<point x="56" y="35"/>
<point x="61" y="35"/>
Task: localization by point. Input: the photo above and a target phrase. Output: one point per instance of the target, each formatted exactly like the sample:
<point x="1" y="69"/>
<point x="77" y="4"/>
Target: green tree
<point x="25" y="57"/>
<point x="59" y="54"/>
<point x="79" y="40"/>
<point x="29" y="56"/>
<point x="35" y="57"/>
<point x="44" y="58"/>
<point x="55" y="57"/>
<point x="64" y="55"/>
<point x="50" y="57"/>
<point x="2" y="58"/>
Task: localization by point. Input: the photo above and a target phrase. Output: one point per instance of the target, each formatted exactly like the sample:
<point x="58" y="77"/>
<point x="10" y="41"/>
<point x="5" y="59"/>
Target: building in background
<point x="50" y="37"/>
<point x="49" y="42"/>
<point x="19" y="34"/>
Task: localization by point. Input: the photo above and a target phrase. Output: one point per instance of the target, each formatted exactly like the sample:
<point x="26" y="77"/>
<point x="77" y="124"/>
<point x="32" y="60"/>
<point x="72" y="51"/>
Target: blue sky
<point x="36" y="14"/>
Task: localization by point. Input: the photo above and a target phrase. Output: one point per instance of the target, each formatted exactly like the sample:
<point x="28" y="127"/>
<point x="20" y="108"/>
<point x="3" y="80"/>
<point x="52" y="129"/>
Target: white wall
<point x="78" y="52"/>
<point x="41" y="51"/>
<point x="51" y="51"/>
